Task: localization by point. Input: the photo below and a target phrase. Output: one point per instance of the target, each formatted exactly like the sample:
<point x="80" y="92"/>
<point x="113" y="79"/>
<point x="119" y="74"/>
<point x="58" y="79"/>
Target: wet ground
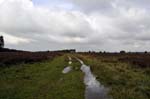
<point x="68" y="68"/>
<point x="94" y="90"/>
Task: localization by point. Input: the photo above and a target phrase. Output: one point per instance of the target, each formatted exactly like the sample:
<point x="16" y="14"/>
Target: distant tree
<point x="122" y="52"/>
<point x="1" y="42"/>
<point x="145" y="52"/>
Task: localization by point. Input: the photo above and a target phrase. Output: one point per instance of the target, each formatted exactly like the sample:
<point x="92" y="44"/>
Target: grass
<point x="123" y="80"/>
<point x="42" y="80"/>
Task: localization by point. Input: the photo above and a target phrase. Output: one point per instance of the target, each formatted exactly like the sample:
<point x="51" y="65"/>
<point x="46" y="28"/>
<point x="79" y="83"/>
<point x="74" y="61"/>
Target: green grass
<point x="42" y="80"/>
<point x="123" y="81"/>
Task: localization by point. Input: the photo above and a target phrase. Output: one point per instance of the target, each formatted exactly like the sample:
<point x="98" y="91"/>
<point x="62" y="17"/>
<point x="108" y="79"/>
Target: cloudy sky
<point x="110" y="25"/>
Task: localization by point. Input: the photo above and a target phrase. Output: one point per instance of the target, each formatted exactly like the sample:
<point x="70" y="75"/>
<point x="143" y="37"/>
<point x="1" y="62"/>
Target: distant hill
<point x="10" y="50"/>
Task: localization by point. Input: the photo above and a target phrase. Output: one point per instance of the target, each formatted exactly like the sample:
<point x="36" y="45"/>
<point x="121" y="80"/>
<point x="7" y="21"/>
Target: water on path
<point x="94" y="90"/>
<point x="68" y="68"/>
<point x="70" y="59"/>
<point x="70" y="62"/>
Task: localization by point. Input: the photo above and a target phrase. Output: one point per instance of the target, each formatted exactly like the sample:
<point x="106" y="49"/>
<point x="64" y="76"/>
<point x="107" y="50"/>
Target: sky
<point x="99" y="25"/>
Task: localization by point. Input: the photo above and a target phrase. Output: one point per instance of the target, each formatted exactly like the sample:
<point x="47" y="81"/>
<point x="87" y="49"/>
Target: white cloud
<point x="13" y="40"/>
<point x="96" y="24"/>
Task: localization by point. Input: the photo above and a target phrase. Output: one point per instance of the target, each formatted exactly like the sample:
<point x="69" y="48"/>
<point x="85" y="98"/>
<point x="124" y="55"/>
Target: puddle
<point x="67" y="69"/>
<point x="69" y="58"/>
<point x="94" y="90"/>
<point x="70" y="62"/>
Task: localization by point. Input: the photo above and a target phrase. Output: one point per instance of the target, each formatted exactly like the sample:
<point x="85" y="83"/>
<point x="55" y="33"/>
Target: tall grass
<point x="123" y="80"/>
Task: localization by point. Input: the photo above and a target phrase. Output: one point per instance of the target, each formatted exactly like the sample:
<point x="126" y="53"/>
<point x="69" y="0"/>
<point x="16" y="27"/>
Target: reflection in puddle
<point x="94" y="90"/>
<point x="69" y="58"/>
<point x="66" y="70"/>
<point x="70" y="62"/>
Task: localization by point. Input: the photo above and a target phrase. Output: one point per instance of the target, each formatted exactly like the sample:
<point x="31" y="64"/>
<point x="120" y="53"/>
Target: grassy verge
<point x="41" y="81"/>
<point x="124" y="81"/>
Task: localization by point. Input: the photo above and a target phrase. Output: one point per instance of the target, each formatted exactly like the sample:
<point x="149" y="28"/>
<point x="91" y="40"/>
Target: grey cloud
<point x="110" y="25"/>
<point x="93" y="5"/>
<point x="30" y="21"/>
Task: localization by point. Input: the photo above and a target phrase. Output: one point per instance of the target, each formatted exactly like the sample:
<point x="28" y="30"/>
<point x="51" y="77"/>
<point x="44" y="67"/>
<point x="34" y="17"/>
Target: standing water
<point x="68" y="68"/>
<point x="70" y="60"/>
<point x="94" y="90"/>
